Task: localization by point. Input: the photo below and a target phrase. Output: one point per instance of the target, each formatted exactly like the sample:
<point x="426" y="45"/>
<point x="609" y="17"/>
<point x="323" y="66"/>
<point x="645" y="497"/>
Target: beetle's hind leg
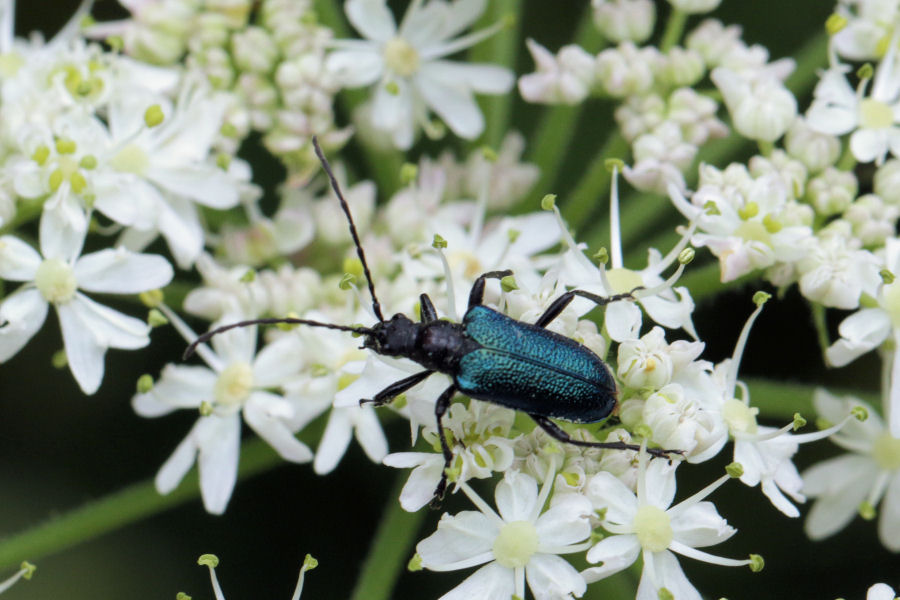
<point x="558" y="433"/>
<point x="476" y="296"/>
<point x="557" y="306"/>
<point x="395" y="389"/>
<point x="440" y="409"/>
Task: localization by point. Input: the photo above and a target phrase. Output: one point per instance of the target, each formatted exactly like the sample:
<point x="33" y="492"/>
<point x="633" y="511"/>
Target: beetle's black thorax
<point x="437" y="345"/>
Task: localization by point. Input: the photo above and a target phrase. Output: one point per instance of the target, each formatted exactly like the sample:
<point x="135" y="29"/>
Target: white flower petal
<point x="841" y="484"/>
<point x="21" y="316"/>
<point x="18" y="260"/>
<point x="616" y="552"/>
<point x="880" y="591"/>
<point x="120" y="271"/>
<point x="565" y="522"/>
<point x="889" y="516"/>
<point x="606" y="491"/>
<point x="371" y="18"/>
<point x="453" y="103"/>
<point x="423" y="479"/>
<point x="490" y="582"/>
<point x="355" y="68"/>
<point x="334" y="441"/>
<point x="84" y="353"/>
<point x="274" y="430"/>
<point x="700" y="525"/>
<point x="516" y="496"/>
<point x="180" y="226"/>
<point x="622" y="320"/>
<point x="369" y="434"/>
<point x="458" y="537"/>
<point x="178" y="464"/>
<point x="219" y="445"/>
<point x="277" y="361"/>
<point x="484" y="79"/>
<point x="668" y="575"/>
<point x="551" y="578"/>
<point x="860" y="332"/>
<point x="207" y="185"/>
<point x="108" y="327"/>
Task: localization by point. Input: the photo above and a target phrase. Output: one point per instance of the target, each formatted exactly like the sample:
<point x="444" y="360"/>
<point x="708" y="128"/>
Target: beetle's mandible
<point x="489" y="356"/>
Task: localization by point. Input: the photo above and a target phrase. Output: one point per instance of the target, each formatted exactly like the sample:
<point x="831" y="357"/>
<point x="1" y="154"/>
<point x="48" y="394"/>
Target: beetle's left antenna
<point x="376" y="306"/>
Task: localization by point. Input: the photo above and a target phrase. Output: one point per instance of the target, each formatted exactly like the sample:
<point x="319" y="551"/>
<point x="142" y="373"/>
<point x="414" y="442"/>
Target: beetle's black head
<point x="394" y="337"/>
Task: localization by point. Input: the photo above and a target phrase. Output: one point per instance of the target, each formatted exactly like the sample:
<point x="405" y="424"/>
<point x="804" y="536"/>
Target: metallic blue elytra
<point x="534" y="370"/>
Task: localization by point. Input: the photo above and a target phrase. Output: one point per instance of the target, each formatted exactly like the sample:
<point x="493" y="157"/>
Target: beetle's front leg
<point x="395" y="389"/>
<point x="557" y="306"/>
<point x="558" y="433"/>
<point x="476" y="296"/>
<point x="440" y="409"/>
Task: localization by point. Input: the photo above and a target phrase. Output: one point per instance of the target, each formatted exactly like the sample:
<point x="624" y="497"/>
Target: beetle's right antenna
<point x="376" y="306"/>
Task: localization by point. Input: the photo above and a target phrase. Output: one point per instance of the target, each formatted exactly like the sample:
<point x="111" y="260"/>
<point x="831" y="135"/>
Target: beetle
<point x="489" y="356"/>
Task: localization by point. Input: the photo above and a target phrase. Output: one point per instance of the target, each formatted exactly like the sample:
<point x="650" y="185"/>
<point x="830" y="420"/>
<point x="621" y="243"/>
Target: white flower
<point x="621" y="20"/>
<point x="855" y="482"/>
<point x="58" y="275"/>
<point x="153" y="177"/>
<point x="869" y="24"/>
<point x="761" y="108"/>
<point x="564" y="79"/>
<point x="836" y="274"/>
<point x="838" y="108"/>
<point x="695" y="6"/>
<point x="626" y="70"/>
<point x="236" y="383"/>
<point x="518" y="544"/>
<point x="646" y="524"/>
<point x="407" y="66"/>
<point x="749" y="223"/>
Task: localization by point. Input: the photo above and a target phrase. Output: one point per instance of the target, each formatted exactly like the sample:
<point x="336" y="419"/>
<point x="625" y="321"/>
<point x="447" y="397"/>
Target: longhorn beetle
<point x="489" y="356"/>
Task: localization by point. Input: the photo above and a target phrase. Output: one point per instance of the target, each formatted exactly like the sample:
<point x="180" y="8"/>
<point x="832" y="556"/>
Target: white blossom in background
<point x="869" y="116"/>
<point x="236" y="385"/>
<point x="761" y="108"/>
<point x="407" y="67"/>
<point x="857" y="482"/>
<point x="622" y="20"/>
<point x="868" y="24"/>
<point x="519" y="542"/>
<point x="566" y="78"/>
<point x="59" y="275"/>
<point x="872" y="326"/>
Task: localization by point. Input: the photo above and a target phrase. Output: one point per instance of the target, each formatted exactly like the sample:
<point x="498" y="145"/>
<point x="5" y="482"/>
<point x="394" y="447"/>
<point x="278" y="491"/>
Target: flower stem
<point x="390" y="549"/>
<point x="118" y="509"/>
<point x="674" y="29"/>
<point x="554" y="133"/>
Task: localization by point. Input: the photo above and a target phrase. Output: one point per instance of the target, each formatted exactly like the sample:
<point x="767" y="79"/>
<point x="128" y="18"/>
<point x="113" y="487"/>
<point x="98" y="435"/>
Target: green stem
<point x="818" y="318"/>
<point x="674" y="30"/>
<point x="118" y="509"/>
<point x="390" y="549"/>
<point x="501" y="49"/>
<point x="556" y="129"/>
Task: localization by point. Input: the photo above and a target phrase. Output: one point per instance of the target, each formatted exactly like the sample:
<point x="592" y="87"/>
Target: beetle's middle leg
<point x="396" y="388"/>
<point x="476" y="296"/>
<point x="557" y="306"/>
<point x="558" y="433"/>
